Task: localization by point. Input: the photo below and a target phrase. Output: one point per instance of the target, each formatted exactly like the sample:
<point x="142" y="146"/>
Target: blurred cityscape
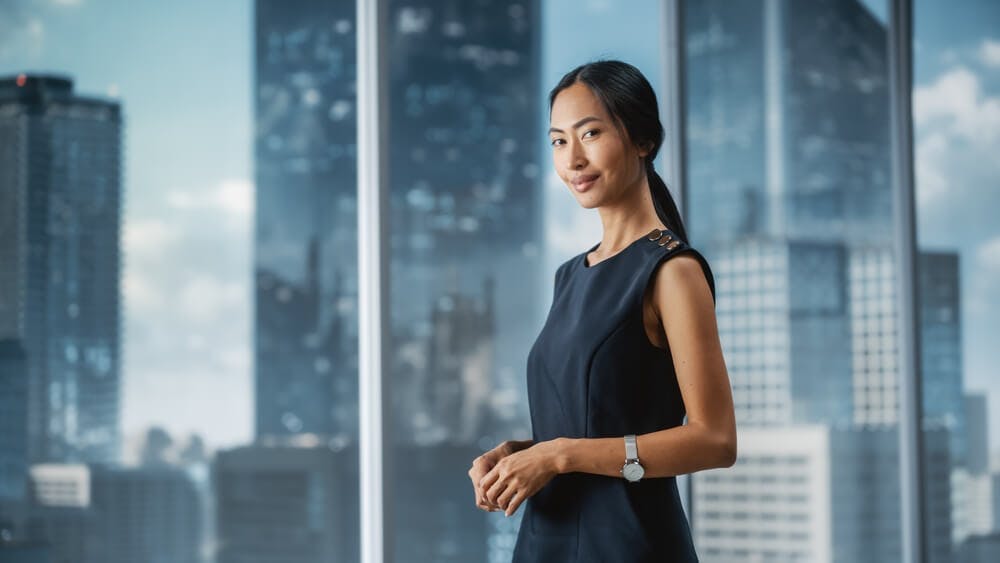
<point x="789" y="194"/>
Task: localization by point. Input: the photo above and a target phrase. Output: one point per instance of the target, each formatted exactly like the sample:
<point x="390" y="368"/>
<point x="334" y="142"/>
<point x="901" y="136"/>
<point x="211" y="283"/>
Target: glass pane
<point x="178" y="282"/>
<point x="292" y="495"/>
<point x="479" y="221"/>
<point x="790" y="195"/>
<point x="465" y="254"/>
<point x="955" y="100"/>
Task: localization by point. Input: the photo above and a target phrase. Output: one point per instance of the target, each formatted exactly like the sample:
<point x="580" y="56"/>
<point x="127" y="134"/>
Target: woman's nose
<point x="576" y="158"/>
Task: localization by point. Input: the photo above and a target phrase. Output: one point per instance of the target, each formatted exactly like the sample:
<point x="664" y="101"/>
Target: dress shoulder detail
<point x="672" y="245"/>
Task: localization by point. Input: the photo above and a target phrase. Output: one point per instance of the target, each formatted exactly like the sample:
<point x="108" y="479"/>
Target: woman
<point x="629" y="347"/>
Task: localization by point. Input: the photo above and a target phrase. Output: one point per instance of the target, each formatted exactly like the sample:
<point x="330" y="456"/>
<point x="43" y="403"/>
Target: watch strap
<point x="631" y="450"/>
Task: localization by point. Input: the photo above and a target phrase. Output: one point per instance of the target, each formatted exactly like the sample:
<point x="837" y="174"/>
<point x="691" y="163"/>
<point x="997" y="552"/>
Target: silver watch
<point x="632" y="470"/>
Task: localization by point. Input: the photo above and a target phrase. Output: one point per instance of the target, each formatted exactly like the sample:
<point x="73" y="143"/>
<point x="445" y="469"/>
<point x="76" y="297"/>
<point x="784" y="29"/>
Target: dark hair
<point x="630" y="100"/>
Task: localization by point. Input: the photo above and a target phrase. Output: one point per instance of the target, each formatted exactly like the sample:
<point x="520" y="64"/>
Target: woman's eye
<point x="595" y="131"/>
<point x="554" y="142"/>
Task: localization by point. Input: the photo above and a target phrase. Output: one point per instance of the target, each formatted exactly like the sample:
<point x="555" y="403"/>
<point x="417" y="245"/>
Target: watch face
<point x="633" y="471"/>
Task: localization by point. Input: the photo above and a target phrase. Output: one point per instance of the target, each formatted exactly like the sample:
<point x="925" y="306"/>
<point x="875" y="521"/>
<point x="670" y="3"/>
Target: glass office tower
<point x="60" y="200"/>
<point x="299" y="473"/>
<point x="789" y="194"/>
<point x="464" y="237"/>
<point x="306" y="220"/>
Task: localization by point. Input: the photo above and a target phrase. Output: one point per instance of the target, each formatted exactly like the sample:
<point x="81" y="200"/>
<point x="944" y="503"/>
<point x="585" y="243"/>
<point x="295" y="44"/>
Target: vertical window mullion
<point x="372" y="283"/>
<point x="912" y="502"/>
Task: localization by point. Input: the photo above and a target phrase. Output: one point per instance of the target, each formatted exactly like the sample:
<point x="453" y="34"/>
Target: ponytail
<point x="663" y="202"/>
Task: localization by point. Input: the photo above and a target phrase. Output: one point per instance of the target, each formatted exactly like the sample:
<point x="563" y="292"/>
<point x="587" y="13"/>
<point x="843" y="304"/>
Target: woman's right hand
<point x="484" y="463"/>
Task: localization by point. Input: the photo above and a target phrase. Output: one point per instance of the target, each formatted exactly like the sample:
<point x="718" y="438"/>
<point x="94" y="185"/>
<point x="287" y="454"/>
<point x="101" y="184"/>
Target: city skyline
<point x="220" y="250"/>
<point x="200" y="211"/>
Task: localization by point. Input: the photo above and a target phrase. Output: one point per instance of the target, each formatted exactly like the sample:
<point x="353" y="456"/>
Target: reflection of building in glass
<point x="287" y="503"/>
<point x="306" y="224"/>
<point x="60" y="203"/>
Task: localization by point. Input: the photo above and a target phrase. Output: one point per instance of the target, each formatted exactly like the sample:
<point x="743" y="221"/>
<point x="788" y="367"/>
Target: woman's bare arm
<point x="684" y="304"/>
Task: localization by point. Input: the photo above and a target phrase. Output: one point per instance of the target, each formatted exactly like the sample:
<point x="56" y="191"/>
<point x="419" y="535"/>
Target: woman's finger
<point x="488" y="479"/>
<point x="505" y="497"/>
<point x="514" y="502"/>
<point x="495" y="490"/>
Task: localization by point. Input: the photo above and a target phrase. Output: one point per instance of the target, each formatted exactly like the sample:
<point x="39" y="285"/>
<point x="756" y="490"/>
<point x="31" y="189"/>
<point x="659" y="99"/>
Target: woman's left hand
<point x="521" y="474"/>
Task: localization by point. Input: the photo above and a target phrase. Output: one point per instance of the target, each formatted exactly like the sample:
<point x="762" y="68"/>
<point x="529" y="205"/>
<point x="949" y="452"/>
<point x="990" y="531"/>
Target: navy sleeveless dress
<point x="592" y="373"/>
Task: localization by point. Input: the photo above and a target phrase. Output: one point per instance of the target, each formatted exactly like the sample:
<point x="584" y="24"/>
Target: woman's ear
<point x="645" y="149"/>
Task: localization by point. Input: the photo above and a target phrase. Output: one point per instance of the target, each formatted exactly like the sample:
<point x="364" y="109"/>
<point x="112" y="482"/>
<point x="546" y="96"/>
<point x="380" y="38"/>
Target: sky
<point x="183" y="72"/>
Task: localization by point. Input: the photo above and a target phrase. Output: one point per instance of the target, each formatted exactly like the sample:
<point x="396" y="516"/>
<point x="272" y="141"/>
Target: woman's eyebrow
<point x="587" y="119"/>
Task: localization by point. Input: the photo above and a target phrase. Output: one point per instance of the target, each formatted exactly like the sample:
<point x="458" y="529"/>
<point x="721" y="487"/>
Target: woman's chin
<point x="587" y="200"/>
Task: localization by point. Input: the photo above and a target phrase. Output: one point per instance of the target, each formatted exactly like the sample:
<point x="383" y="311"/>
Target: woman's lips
<point x="583" y="183"/>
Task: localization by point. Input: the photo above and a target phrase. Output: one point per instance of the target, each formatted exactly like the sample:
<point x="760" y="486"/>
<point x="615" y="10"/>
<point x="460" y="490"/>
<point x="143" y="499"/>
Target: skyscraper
<point x="790" y="198"/>
<point x="60" y="199"/>
<point x="464" y="224"/>
<point x="938" y="292"/>
<point x="787" y="121"/>
<point x="465" y="206"/>
<point x="306" y="219"/>
<point x="288" y="503"/>
<point x="13" y="424"/>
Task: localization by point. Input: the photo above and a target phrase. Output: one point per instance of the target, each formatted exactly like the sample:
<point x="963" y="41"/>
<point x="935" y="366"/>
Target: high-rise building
<point x="874" y="333"/>
<point x="464" y="215"/>
<point x="938" y="292"/>
<point x="287" y="503"/>
<point x="814" y="493"/>
<point x="790" y="196"/>
<point x="783" y="316"/>
<point x="464" y="228"/>
<point x="977" y="426"/>
<point x="787" y="123"/>
<point x="13" y="423"/>
<point x="306" y="219"/>
<point x="465" y="207"/>
<point x="150" y="514"/>
<point x="60" y="201"/>
<point x="60" y="513"/>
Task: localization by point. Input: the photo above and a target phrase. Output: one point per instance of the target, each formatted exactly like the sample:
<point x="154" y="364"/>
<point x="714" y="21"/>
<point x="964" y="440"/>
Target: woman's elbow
<point x="728" y="452"/>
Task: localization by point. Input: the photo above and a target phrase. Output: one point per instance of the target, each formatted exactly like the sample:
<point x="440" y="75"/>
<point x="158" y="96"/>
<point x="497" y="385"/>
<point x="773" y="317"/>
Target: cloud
<point x="150" y="235"/>
<point x="234" y="197"/>
<point x="188" y="303"/>
<point x="202" y="300"/>
<point x="21" y="33"/>
<point x="989" y="52"/>
<point x="956" y="101"/>
<point x="957" y="135"/>
<point x="988" y="254"/>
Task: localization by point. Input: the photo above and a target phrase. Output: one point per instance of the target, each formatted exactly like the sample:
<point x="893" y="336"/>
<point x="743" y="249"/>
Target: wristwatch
<point x="632" y="470"/>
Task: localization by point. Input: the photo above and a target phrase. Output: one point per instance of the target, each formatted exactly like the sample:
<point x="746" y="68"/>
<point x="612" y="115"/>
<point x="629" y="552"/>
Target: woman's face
<point x="595" y="161"/>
